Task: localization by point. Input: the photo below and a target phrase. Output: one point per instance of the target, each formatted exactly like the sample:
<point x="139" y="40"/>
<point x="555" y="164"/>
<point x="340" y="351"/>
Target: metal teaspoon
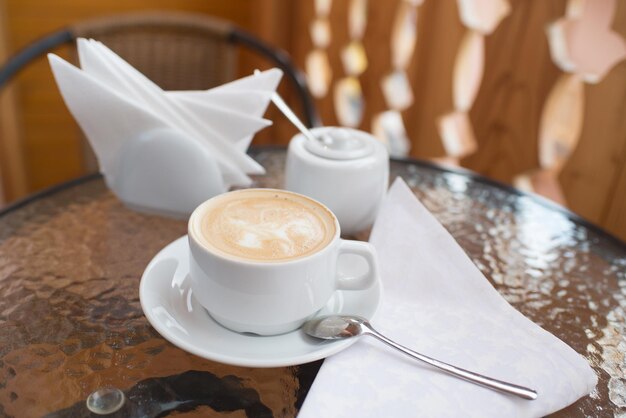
<point x="336" y="327"/>
<point x="324" y="139"/>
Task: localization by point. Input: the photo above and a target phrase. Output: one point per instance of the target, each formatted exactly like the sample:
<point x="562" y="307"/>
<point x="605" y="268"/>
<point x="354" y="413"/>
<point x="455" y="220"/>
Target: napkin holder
<point x="166" y="172"/>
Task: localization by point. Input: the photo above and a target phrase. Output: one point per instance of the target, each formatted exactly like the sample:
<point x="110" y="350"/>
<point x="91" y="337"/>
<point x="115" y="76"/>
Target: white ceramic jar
<point x="350" y="177"/>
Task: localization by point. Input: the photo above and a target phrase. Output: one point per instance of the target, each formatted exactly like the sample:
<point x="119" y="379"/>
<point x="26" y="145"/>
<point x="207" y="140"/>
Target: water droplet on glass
<point x="105" y="401"/>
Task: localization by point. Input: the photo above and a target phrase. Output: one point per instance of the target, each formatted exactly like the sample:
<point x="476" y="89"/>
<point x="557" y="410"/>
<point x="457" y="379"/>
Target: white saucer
<point x="167" y="301"/>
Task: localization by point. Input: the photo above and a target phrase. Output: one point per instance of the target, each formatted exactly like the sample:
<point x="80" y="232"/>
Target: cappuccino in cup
<point x="264" y="261"/>
<point x="265" y="226"/>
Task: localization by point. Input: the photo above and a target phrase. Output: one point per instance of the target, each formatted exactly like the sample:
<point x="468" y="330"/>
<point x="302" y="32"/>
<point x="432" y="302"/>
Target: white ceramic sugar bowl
<point x="350" y="177"/>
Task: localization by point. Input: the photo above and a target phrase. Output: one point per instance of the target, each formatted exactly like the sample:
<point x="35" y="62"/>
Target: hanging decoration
<point x="348" y="95"/>
<point x="397" y="91"/>
<point x="583" y="46"/>
<point x="480" y="17"/>
<point x="317" y="65"/>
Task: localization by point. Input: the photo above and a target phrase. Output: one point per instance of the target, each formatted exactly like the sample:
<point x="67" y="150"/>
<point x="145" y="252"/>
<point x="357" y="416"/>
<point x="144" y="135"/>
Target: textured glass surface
<point x="71" y="322"/>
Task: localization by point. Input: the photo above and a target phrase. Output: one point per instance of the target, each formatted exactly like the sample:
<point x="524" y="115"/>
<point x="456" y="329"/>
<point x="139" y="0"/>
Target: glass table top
<point x="71" y="323"/>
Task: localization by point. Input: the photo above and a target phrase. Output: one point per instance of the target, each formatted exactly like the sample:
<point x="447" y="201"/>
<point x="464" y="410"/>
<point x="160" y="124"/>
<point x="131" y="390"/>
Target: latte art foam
<point x="266" y="225"/>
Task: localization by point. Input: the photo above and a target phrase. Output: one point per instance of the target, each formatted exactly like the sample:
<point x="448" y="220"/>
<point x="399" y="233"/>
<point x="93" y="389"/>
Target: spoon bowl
<point x="335" y="327"/>
<point x="339" y="327"/>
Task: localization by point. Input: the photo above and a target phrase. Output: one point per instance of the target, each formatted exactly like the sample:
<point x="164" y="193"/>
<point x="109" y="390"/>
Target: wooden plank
<point x="439" y="35"/>
<point x="592" y="179"/>
<point x="615" y="220"/>
<point x="590" y="176"/>
<point x="273" y="24"/>
<point x="615" y="210"/>
<point x="518" y="76"/>
<point x="13" y="180"/>
<point x="377" y="43"/>
<point x="429" y="72"/>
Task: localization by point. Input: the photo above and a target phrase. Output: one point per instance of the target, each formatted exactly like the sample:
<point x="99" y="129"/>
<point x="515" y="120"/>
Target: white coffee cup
<point x="268" y="296"/>
<point x="351" y="179"/>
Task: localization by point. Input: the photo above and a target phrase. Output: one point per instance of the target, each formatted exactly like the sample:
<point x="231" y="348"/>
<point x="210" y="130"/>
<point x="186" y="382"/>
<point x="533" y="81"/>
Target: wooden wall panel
<point x="272" y="22"/>
<point x="13" y="182"/>
<point x="49" y="135"/>
<point x="430" y="70"/>
<point x="590" y="177"/>
<point x="518" y="76"/>
<point x="439" y="35"/>
<point x="303" y="15"/>
<point x="376" y="38"/>
<point x="594" y="178"/>
<point x="615" y="219"/>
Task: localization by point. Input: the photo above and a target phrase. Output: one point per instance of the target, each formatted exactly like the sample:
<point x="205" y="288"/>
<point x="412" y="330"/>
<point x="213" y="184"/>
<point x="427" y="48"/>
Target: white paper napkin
<point x="163" y="151"/>
<point x="437" y="302"/>
<point x="110" y="121"/>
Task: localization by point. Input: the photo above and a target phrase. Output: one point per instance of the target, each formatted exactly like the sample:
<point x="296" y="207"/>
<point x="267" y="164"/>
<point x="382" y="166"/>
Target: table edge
<point x="543" y="201"/>
<point x="19" y="203"/>
<point x="474" y="176"/>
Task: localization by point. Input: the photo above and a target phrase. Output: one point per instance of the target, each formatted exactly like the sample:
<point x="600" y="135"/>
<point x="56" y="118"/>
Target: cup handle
<point x="366" y="251"/>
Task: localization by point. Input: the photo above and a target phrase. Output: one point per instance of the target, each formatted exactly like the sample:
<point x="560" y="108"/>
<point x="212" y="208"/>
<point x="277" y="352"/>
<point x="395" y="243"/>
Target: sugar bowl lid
<point x="339" y="144"/>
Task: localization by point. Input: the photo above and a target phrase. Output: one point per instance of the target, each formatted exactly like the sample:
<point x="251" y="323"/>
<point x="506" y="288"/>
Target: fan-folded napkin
<point x="437" y="302"/>
<point x="163" y="151"/>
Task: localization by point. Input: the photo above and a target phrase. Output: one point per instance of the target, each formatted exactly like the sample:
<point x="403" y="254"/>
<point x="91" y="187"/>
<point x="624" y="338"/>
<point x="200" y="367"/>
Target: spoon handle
<point x="280" y="103"/>
<point x="485" y="381"/>
<point x="284" y="107"/>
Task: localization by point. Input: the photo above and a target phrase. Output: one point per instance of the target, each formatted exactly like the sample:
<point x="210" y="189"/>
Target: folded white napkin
<point x="163" y="151"/>
<point x="438" y="303"/>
